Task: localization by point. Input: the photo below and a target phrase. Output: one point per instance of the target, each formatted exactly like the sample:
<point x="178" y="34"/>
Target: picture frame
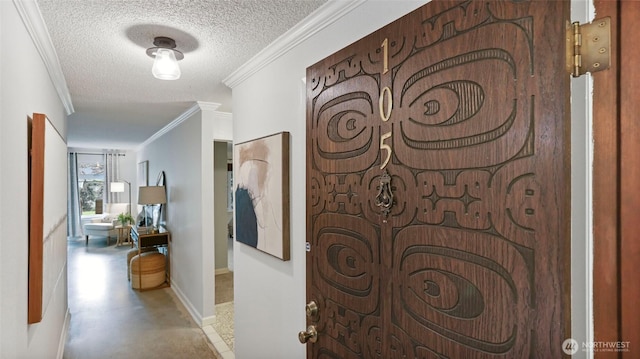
<point x="261" y="202"/>
<point x="47" y="213"/>
<point x="143" y="173"/>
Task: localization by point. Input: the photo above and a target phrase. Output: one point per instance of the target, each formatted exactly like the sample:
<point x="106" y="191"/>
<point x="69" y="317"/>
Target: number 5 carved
<point x="384" y="146"/>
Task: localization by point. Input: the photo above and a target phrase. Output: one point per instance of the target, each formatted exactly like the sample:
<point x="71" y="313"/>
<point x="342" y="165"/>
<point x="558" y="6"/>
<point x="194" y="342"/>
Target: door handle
<point x="310" y="335"/>
<point x="312" y="309"/>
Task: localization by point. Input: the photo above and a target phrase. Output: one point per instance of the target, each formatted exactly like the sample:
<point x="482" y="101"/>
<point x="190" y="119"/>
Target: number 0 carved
<point x="385" y="114"/>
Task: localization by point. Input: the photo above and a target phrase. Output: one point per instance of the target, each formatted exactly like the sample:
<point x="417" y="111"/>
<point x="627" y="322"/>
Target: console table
<point x="162" y="239"/>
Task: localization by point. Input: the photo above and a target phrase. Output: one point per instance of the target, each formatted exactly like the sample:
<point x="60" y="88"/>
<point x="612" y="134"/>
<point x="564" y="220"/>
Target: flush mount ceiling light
<point x="165" y="65"/>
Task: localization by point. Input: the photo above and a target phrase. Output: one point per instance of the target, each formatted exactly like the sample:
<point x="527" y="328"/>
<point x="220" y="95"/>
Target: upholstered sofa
<point x="103" y="225"/>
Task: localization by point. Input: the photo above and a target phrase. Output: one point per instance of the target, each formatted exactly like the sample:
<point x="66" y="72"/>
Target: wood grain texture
<point x="471" y="259"/>
<point x="629" y="175"/>
<point x="606" y="305"/>
<point x="36" y="218"/>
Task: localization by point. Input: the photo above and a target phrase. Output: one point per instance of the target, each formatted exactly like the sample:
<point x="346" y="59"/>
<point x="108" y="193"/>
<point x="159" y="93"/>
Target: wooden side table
<point x="124" y="236"/>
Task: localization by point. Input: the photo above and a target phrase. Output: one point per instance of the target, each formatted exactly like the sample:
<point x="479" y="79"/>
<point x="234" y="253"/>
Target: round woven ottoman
<point x="134" y="252"/>
<point x="147" y="270"/>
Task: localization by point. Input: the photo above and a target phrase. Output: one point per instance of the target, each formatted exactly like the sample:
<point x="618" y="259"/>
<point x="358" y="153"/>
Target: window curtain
<point x="112" y="174"/>
<point x="74" y="213"/>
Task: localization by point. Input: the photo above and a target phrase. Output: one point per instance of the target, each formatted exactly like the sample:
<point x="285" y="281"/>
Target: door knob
<point x="311" y="335"/>
<point x="312" y="309"/>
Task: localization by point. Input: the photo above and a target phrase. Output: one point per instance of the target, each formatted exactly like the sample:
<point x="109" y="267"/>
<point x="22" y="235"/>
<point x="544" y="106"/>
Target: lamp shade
<point x="117" y="186"/>
<point x="165" y="66"/>
<point x="152" y="195"/>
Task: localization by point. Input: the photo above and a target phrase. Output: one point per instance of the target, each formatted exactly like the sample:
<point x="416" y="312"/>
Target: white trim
<point x="588" y="275"/>
<point x="37" y="29"/>
<point x="222" y="271"/>
<point x="209" y="106"/>
<point x="210" y="320"/>
<point x="590" y="329"/>
<point x="312" y="24"/>
<point x="200" y="321"/>
<point x="582" y="329"/>
<point x="187" y="304"/>
<point x="2" y="164"/>
<point x="198" y="106"/>
<point x="63" y="335"/>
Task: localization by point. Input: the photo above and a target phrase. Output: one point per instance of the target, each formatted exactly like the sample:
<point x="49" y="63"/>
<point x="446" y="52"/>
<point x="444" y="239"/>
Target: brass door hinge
<point x="589" y="47"/>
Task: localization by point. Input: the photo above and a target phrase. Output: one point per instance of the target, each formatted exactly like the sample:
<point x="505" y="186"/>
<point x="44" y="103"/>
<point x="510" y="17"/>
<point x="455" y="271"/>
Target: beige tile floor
<point x="223" y="326"/>
<point x="111" y="320"/>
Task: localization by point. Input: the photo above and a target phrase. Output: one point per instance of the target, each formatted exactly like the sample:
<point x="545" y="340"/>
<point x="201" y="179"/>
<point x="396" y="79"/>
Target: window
<point x="91" y="181"/>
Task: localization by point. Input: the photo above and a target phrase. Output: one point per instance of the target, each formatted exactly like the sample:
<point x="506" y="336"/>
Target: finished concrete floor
<point x="111" y="320"/>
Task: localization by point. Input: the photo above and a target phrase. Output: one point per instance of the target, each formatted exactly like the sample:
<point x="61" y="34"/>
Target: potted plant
<point x="125" y="219"/>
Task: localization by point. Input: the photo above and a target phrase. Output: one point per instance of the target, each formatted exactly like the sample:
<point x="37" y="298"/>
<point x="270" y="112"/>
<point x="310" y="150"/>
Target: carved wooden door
<point x="438" y="186"/>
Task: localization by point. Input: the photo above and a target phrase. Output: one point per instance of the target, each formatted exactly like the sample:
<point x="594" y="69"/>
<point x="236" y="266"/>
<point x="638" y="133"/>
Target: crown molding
<point x="312" y="24"/>
<point x="37" y="29"/>
<point x="197" y="107"/>
<point x="209" y="106"/>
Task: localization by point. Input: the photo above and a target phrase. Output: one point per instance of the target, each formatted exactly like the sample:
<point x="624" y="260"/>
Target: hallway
<point x="111" y="320"/>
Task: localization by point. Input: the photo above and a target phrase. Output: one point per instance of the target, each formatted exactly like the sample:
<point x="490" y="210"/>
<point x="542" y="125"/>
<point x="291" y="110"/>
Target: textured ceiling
<point x="101" y="46"/>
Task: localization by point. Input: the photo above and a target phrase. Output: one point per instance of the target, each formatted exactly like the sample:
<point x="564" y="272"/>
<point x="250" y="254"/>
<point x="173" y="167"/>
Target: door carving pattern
<point x="453" y="269"/>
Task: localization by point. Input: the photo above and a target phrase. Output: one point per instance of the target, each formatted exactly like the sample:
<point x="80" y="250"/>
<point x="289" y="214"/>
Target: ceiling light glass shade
<point x="165" y="66"/>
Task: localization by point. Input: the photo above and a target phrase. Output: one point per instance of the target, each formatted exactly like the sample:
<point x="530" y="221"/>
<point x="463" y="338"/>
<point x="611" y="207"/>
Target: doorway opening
<point x="223" y="238"/>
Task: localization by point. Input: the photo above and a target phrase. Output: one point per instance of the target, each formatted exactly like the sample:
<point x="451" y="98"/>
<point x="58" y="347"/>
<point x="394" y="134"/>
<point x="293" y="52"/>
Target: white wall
<point x="184" y="151"/>
<point x="270" y="294"/>
<point x="25" y="88"/>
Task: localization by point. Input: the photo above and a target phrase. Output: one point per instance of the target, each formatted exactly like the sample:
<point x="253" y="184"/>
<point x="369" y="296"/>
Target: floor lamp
<point x="118" y="186"/>
<point x="151" y="195"/>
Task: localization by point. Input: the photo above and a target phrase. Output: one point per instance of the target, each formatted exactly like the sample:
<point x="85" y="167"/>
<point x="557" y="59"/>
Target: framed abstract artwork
<point x="262" y="194"/>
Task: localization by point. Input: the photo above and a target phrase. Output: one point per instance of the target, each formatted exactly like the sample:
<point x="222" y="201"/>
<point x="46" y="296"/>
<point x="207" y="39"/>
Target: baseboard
<point x="63" y="335"/>
<point x="200" y="321"/>
<point x="187" y="304"/>
<point x="210" y="320"/>
<point x="222" y="271"/>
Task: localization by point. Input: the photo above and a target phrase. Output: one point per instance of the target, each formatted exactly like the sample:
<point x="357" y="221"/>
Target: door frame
<point x="616" y="199"/>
